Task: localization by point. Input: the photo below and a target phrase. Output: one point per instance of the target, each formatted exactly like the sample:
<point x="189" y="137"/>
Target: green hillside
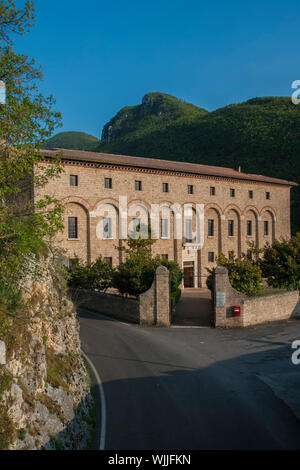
<point x="73" y="140"/>
<point x="262" y="135"/>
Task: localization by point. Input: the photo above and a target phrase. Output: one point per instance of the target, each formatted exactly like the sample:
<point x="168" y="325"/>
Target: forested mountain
<point x="73" y="140"/>
<point x="262" y="135"/>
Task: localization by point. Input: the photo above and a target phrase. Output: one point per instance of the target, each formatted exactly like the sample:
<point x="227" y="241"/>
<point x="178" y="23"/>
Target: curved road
<point x="196" y="388"/>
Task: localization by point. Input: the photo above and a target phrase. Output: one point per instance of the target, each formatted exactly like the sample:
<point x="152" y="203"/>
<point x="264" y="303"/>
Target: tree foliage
<point x="96" y="276"/>
<point x="280" y="263"/>
<point x="260" y="134"/>
<point x="26" y="121"/>
<point x="244" y="275"/>
<point x="73" y="140"/>
<point x="136" y="274"/>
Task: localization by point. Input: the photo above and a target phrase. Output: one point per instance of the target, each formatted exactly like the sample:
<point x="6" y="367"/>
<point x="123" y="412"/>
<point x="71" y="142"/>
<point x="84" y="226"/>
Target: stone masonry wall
<point x="122" y="308"/>
<point x="150" y="308"/>
<point x="254" y="310"/>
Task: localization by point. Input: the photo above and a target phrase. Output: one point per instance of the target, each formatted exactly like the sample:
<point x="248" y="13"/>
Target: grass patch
<point x="266" y="292"/>
<point x="15" y="333"/>
<point x="59" y="369"/>
<point x="52" y="406"/>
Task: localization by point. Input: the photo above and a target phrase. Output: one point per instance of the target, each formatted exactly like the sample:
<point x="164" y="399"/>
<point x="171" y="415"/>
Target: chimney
<point x="240" y="169"/>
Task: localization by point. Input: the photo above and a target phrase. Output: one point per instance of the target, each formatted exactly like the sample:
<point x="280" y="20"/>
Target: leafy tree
<point x="97" y="275"/>
<point x="26" y="121"/>
<point x="175" y="279"/>
<point x="244" y="276"/>
<point x="136" y="274"/>
<point x="281" y="263"/>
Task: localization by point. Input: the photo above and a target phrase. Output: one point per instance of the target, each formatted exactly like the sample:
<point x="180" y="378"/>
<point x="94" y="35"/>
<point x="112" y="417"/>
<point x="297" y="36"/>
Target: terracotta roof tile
<point x="158" y="164"/>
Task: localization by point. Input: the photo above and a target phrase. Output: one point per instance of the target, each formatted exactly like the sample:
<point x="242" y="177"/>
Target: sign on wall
<point x="220" y="299"/>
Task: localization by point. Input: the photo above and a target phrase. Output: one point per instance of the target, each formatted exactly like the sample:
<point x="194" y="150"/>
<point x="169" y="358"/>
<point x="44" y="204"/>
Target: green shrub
<point x="136" y="274"/>
<point x="97" y="275"/>
<point x="175" y="297"/>
<point x="281" y="263"/>
<point x="175" y="279"/>
<point x="244" y="276"/>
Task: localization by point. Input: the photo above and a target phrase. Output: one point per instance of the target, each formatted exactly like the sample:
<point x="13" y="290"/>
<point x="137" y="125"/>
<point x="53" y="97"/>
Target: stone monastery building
<point x="234" y="208"/>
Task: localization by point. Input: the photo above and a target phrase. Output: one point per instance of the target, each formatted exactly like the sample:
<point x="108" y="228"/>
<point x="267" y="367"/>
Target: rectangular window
<point x="165" y="187"/>
<point x="250" y="194"/>
<point x="108" y="260"/>
<point x="164" y="228"/>
<point x="188" y="231"/>
<point x="138" y="185"/>
<point x="268" y="195"/>
<point x="72" y="228"/>
<point x="107" y="183"/>
<point x="73" y="180"/>
<point x="232" y="192"/>
<point x="212" y="191"/>
<point x="165" y="256"/>
<point x="211" y="257"/>
<point x="190" y="189"/>
<point x="249" y="228"/>
<point x="231" y="228"/>
<point x="211" y="227"/>
<point x="107" y="228"/>
<point x="266" y="228"/>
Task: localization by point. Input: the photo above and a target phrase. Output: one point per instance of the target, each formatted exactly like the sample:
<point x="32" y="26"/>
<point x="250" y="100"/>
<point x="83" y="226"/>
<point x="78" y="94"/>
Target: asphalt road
<point x="196" y="388"/>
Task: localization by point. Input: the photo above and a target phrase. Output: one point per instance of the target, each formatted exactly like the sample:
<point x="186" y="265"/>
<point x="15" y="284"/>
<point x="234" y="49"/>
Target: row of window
<point x="212" y="256"/>
<point x="108" y="259"/>
<point x="231" y="228"/>
<point x="164" y="225"/>
<point x="165" y="187"/>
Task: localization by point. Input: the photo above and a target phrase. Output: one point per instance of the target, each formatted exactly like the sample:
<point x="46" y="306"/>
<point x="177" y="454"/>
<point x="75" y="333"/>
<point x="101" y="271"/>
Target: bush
<point x="135" y="275"/>
<point x="175" y="279"/>
<point x="96" y="276"/>
<point x="281" y="263"/>
<point x="244" y="276"/>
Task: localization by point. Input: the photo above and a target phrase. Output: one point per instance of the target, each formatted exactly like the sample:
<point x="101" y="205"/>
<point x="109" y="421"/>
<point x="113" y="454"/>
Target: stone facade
<point x="254" y="310"/>
<point x="257" y="200"/>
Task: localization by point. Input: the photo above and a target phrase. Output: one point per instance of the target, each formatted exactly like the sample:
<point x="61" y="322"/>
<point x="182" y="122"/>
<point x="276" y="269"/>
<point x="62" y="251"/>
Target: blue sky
<point x="99" y="56"/>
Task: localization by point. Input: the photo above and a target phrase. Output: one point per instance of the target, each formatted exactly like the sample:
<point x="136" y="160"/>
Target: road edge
<point x="98" y="383"/>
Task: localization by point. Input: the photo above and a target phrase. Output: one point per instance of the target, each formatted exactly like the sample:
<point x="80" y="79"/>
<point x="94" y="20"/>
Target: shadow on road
<point x="218" y="407"/>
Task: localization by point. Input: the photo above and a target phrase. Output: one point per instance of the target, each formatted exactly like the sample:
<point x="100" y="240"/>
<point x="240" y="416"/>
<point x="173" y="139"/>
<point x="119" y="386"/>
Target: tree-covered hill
<point x="262" y="135"/>
<point x="156" y="113"/>
<point x="73" y="140"/>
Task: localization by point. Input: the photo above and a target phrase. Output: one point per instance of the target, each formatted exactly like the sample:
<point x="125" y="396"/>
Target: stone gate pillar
<point x="162" y="296"/>
<point x="220" y="287"/>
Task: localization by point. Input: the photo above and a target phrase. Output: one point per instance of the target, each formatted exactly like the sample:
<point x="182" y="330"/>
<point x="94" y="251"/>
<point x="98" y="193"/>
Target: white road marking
<point x="103" y="403"/>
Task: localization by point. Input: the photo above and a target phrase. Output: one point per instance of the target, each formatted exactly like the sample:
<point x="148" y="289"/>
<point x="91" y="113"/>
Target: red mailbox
<point x="236" y="311"/>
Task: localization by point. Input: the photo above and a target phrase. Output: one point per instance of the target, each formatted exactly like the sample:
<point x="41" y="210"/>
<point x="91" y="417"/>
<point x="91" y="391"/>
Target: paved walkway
<point x="194" y="308"/>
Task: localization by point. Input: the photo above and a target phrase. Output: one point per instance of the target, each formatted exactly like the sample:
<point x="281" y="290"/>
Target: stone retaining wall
<point x="150" y="308"/>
